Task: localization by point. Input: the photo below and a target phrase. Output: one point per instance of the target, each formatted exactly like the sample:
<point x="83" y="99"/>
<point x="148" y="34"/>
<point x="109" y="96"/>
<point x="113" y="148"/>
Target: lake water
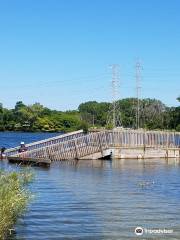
<point x="99" y="199"/>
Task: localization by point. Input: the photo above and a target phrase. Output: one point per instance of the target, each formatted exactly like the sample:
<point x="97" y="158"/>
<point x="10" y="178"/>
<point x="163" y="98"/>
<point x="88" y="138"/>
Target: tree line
<point x="153" y="114"/>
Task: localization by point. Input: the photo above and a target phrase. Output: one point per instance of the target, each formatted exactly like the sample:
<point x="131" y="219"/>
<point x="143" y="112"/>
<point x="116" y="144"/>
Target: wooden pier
<point x="118" y="143"/>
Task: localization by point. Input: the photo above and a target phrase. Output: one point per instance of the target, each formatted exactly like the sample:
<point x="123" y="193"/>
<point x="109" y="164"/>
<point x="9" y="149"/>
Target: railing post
<point x="107" y="139"/>
<point x="174" y="141"/>
<point x="47" y="153"/>
<point x="100" y="143"/>
<point x="167" y="144"/>
<point x="144" y="141"/>
<point x="76" y="149"/>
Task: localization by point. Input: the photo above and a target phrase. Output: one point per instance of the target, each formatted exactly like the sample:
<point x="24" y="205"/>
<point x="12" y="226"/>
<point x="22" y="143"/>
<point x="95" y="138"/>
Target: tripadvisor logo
<point x="139" y="231"/>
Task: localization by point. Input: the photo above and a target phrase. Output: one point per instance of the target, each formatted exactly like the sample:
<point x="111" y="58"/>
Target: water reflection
<point x="130" y="164"/>
<point x="103" y="200"/>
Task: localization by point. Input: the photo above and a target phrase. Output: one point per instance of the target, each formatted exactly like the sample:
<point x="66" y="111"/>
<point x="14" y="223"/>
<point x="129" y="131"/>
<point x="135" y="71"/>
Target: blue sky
<point x="57" y="52"/>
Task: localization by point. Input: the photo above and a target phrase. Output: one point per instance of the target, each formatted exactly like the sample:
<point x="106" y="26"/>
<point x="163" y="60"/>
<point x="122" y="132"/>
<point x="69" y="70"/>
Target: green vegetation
<point x="153" y="115"/>
<point x="37" y="118"/>
<point x="13" y="199"/>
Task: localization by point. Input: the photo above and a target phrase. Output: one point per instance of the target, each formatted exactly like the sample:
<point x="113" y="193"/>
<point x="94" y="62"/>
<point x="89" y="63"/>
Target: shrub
<point x="13" y="198"/>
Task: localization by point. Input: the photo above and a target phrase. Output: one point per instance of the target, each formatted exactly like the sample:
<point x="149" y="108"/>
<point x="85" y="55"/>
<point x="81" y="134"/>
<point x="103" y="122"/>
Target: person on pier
<point x="22" y="148"/>
<point x="3" y="155"/>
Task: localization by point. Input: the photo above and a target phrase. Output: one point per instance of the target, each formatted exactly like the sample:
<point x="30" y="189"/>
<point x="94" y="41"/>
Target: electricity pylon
<point x="138" y="92"/>
<point x="114" y="116"/>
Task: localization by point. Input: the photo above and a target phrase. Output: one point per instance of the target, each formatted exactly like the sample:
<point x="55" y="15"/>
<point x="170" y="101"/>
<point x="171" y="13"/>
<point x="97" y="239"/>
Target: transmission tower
<point x="114" y="113"/>
<point x="138" y="92"/>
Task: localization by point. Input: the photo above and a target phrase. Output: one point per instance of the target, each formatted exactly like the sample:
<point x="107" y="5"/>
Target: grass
<point x="13" y="198"/>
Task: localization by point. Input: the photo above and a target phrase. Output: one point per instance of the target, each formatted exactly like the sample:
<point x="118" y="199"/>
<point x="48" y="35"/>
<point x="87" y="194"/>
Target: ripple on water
<point x="103" y="200"/>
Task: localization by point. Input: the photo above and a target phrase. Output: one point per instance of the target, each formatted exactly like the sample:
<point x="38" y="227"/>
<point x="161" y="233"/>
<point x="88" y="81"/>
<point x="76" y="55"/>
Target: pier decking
<point x="119" y="143"/>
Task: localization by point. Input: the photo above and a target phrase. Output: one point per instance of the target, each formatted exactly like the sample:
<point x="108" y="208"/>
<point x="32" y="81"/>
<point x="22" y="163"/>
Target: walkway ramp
<point x="73" y="148"/>
<point x="46" y="142"/>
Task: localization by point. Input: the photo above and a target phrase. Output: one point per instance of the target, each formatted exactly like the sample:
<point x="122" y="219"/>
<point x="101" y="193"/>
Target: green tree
<point x="94" y="113"/>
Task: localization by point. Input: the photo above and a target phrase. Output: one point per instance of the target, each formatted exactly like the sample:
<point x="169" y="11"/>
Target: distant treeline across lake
<point x="33" y="118"/>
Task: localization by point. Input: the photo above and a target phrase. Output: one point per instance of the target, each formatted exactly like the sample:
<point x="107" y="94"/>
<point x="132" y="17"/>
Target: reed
<point x="14" y="197"/>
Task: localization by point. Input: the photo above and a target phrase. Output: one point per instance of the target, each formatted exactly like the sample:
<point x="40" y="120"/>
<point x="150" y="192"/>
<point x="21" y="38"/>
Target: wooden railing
<point x="47" y="142"/>
<point x="82" y="145"/>
<point x="133" y="138"/>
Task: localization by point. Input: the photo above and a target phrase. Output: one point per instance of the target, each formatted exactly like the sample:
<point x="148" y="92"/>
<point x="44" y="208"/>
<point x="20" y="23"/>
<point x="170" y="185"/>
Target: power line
<point x="138" y="92"/>
<point x="114" y="113"/>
